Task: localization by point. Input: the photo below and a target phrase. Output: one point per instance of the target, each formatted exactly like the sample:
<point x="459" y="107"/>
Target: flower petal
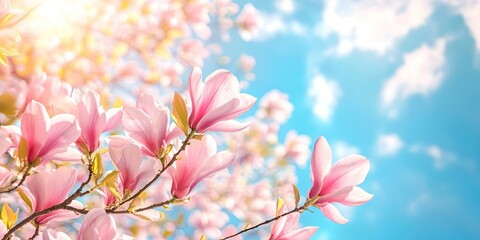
<point x="320" y="165"/>
<point x="348" y="171"/>
<point x="333" y="214"/>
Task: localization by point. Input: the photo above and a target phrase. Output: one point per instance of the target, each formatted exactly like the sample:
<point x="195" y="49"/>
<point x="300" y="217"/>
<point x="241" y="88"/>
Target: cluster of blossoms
<point x="78" y="161"/>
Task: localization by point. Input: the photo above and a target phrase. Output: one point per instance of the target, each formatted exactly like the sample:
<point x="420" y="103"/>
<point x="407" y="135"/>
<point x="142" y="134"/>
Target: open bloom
<point x="46" y="139"/>
<point x="217" y="102"/>
<point x="97" y="224"/>
<point x="127" y="158"/>
<point x="46" y="189"/>
<point x="198" y="161"/>
<point x="148" y="124"/>
<point x="337" y="183"/>
<point x="285" y="227"/>
<point x="94" y="121"/>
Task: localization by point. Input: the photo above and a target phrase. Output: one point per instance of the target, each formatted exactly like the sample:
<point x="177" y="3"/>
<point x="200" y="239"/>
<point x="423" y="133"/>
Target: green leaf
<point x="297" y="195"/>
<point x="179" y="113"/>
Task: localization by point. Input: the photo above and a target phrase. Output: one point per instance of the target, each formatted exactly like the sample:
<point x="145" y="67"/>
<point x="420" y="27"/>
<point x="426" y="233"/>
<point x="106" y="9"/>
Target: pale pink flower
<point x="249" y="21"/>
<point x="285" y="228"/>
<point x="197" y="15"/>
<point x="217" y="102"/>
<point x="47" y="139"/>
<point x="5" y="176"/>
<point x="5" y="141"/>
<point x="127" y="158"/>
<point x="199" y="160"/>
<point x="337" y="183"/>
<point x="193" y="52"/>
<point x="148" y="124"/>
<point x="50" y="234"/>
<point x="97" y="224"/>
<point x="295" y="148"/>
<point x="46" y="189"/>
<point x="275" y="106"/>
<point x="94" y="121"/>
<point x="246" y="63"/>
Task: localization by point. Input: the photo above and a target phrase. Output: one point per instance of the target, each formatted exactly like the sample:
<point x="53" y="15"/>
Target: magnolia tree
<point x="108" y="130"/>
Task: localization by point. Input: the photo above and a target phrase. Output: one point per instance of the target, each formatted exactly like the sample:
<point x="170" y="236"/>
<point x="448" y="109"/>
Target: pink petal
<point x="357" y="197"/>
<point x="148" y="103"/>
<point x="195" y="88"/>
<point x="137" y="126"/>
<point x="114" y="117"/>
<point x="63" y="132"/>
<point x="35" y="124"/>
<point x="348" y="171"/>
<point x="127" y="159"/>
<point x="333" y="214"/>
<point x="320" y="165"/>
<point x="227" y="126"/>
<point x="160" y="122"/>
<point x="97" y="224"/>
<point x="300" y="234"/>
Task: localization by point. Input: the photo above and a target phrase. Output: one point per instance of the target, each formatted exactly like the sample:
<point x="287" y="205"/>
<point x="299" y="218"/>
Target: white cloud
<point x="276" y="24"/>
<point x="373" y="25"/>
<point x="470" y="11"/>
<point x="388" y="144"/>
<point x="421" y="73"/>
<point x="285" y="6"/>
<point x="341" y="149"/>
<point x="325" y="94"/>
<point x="440" y="157"/>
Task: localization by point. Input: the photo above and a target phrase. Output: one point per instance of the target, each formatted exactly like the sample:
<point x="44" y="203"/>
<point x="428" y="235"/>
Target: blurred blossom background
<point x="395" y="81"/>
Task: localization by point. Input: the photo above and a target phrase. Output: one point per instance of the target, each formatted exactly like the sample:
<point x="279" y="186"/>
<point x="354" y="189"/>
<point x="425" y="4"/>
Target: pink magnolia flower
<point x="246" y="63"/>
<point x="6" y="176"/>
<point x="97" y="224"/>
<point x="193" y="52"/>
<point x="249" y="21"/>
<point x="275" y="106"/>
<point x="127" y="158"/>
<point x="217" y="101"/>
<point x="50" y="234"/>
<point x="47" y="139"/>
<point x="94" y="121"/>
<point x="46" y="189"/>
<point x="5" y="141"/>
<point x="197" y="162"/>
<point x="148" y="125"/>
<point x="337" y="183"/>
<point x="284" y="227"/>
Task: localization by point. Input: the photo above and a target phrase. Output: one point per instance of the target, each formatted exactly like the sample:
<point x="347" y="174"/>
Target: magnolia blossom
<point x="249" y="21"/>
<point x="50" y="234"/>
<point x="46" y="189"/>
<point x="199" y="160"/>
<point x="148" y="124"/>
<point x="217" y="101"/>
<point x="296" y="148"/>
<point x="97" y="224"/>
<point x="5" y="141"/>
<point x="337" y="183"/>
<point x="46" y="139"/>
<point x="246" y="63"/>
<point x="284" y="227"/>
<point x="127" y="158"/>
<point x="275" y="106"/>
<point x="193" y="52"/>
<point x="94" y="121"/>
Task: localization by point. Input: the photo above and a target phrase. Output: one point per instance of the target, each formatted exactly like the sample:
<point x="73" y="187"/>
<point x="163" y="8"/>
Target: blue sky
<point x="396" y="81"/>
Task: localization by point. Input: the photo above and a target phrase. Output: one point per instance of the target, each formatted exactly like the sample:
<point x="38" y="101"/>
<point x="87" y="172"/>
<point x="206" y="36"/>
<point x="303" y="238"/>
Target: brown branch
<point x="174" y="158"/>
<point x="37" y="231"/>
<point x="24" y="176"/>
<point x="298" y="209"/>
<point x="62" y="205"/>
<point x="144" y="208"/>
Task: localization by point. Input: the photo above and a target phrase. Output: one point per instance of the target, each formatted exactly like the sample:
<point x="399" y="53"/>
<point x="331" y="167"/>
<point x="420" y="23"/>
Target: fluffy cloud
<point x="341" y="149"/>
<point x="285" y="6"/>
<point x="421" y="73"/>
<point x="470" y="11"/>
<point x="373" y="25"/>
<point x="324" y="94"/>
<point x="388" y="144"/>
<point x="440" y="157"/>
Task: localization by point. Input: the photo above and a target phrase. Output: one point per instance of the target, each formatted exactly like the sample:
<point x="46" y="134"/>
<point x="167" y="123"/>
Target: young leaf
<point x="280" y="204"/>
<point x="22" y="150"/>
<point x="179" y="113"/>
<point x="112" y="176"/>
<point x="97" y="167"/>
<point x="25" y="198"/>
<point x="9" y="217"/>
<point x="297" y="195"/>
